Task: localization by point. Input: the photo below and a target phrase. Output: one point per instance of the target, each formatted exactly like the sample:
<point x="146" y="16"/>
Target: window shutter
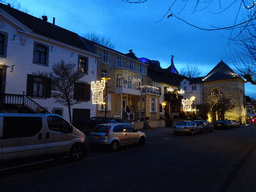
<point x="87" y="92"/>
<point x="79" y="91"/>
<point x="48" y="87"/>
<point x="30" y="79"/>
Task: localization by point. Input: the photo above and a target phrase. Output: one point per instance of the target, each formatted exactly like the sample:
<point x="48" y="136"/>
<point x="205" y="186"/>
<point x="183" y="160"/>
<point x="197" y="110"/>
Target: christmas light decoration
<point x="187" y="103"/>
<point x="97" y="91"/>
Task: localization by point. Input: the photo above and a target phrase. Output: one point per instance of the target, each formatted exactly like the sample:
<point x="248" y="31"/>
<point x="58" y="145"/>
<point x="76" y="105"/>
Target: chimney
<point x="44" y="18"/>
<point x="130" y="50"/>
<point x="53" y="21"/>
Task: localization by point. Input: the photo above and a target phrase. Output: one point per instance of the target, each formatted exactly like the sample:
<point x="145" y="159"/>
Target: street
<point x="203" y="162"/>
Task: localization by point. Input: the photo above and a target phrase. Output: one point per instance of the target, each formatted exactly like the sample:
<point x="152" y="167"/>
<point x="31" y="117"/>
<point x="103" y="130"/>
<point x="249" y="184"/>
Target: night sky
<point x="146" y="30"/>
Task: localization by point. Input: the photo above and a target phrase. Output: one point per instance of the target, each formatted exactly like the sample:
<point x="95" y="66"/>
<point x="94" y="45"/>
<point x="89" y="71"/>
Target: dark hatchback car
<point x="90" y="124"/>
<point x="222" y="124"/>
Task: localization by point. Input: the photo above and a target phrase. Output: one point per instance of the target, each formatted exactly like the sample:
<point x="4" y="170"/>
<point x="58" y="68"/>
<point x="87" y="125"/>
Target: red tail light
<point x="186" y="127"/>
<point x="108" y="131"/>
<point x="253" y="120"/>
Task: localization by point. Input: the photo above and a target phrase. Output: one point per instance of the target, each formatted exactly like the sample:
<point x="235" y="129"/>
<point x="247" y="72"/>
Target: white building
<point x="30" y="46"/>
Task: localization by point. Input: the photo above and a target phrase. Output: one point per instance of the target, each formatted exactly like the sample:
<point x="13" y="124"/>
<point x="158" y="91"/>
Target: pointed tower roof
<point x="172" y="68"/>
<point x="219" y="72"/>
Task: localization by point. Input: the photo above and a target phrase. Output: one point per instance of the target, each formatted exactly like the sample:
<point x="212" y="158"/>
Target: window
<point x="58" y="124"/>
<point x="83" y="64"/>
<point x="12" y="126"/>
<point x="38" y="86"/>
<point x="141" y="69"/>
<point x="215" y="91"/>
<point x="40" y="54"/>
<point x="105" y="57"/>
<point x="193" y="88"/>
<point x="119" y="61"/>
<point x="118" y="128"/>
<point x="3" y="44"/>
<point x="153" y="105"/>
<point x="131" y="65"/>
<point x="104" y="73"/>
<point x="185" y="88"/>
<point x="58" y="111"/>
<point x="82" y="92"/>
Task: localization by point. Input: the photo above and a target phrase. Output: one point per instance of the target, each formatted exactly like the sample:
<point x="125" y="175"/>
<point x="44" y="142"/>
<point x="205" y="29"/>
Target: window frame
<point x="35" y="51"/>
<point x="141" y="69"/>
<point x="46" y="82"/>
<point x="105" y="57"/>
<point x="4" y="44"/>
<point x="118" y="61"/>
<point x="131" y="65"/>
<point x="80" y="64"/>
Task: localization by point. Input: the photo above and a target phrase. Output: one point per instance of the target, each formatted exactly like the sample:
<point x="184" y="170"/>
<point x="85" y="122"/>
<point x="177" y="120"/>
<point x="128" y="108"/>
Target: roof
<point x="220" y="72"/>
<point x="172" y="68"/>
<point x="164" y="76"/>
<point x="46" y="29"/>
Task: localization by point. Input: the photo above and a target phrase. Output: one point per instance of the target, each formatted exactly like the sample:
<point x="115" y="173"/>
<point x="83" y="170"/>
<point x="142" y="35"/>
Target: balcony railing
<point x="23" y="101"/>
<point x="150" y="89"/>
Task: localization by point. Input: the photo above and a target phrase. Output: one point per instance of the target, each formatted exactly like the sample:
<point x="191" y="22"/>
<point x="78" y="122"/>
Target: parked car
<point x="32" y="135"/>
<point x="124" y="121"/>
<point x="222" y="124"/>
<point x="90" y="124"/>
<point x="205" y="125"/>
<point x="234" y="123"/>
<point x="186" y="127"/>
<point x="114" y="135"/>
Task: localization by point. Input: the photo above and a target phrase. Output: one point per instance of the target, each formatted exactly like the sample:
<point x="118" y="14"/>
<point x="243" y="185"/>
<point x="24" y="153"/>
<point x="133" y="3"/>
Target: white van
<point x="30" y="135"/>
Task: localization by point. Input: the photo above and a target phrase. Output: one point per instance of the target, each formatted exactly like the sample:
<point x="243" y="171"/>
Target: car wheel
<point x="142" y="141"/>
<point x="114" y="146"/>
<point x="77" y="152"/>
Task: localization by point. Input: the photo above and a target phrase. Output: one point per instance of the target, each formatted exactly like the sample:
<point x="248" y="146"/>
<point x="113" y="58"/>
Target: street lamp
<point x="106" y="95"/>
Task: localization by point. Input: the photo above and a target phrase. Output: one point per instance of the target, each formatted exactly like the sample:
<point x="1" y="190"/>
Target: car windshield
<point x="101" y="128"/>
<point x="181" y="123"/>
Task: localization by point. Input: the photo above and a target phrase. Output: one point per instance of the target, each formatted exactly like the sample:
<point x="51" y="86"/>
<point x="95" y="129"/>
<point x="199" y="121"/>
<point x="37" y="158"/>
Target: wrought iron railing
<point x="22" y="100"/>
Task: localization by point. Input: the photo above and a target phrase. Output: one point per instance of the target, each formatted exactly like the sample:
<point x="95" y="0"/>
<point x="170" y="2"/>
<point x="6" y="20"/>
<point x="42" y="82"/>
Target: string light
<point x="97" y="91"/>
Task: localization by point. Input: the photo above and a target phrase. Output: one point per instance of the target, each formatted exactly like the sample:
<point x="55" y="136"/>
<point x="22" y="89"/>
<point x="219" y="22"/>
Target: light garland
<point x="97" y="92"/>
<point x="187" y="103"/>
<point x="249" y="7"/>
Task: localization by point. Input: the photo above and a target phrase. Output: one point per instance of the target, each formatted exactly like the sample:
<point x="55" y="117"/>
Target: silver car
<point x="186" y="127"/>
<point x="115" y="135"/>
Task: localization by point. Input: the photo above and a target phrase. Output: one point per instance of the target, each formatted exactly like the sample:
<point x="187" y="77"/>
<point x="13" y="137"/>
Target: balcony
<point x="147" y="89"/>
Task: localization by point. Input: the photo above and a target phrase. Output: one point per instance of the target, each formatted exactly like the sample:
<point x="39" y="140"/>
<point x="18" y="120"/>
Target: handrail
<point x="22" y="100"/>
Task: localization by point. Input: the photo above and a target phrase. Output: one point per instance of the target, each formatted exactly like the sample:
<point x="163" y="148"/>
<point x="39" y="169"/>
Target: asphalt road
<point x="203" y="162"/>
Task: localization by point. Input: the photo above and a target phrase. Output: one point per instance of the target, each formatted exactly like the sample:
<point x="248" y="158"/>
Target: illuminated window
<point x="83" y="64"/>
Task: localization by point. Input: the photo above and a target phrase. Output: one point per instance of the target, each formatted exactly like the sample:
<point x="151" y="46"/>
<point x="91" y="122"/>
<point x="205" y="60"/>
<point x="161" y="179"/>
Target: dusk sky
<point x="146" y="30"/>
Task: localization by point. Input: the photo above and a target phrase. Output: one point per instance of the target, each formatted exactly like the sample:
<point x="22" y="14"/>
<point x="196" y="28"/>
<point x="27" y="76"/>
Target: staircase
<point x="130" y="116"/>
<point x="13" y="103"/>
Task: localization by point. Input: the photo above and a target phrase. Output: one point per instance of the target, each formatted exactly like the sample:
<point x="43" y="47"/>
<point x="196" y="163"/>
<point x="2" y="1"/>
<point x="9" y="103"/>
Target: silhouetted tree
<point x="64" y="77"/>
<point x="99" y="39"/>
<point x="190" y="72"/>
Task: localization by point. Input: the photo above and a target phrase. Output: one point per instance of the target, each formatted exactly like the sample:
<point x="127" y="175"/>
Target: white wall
<point x="21" y="56"/>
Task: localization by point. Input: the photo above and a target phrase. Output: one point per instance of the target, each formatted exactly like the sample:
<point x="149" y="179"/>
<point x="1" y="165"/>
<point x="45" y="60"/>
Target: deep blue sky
<point x="135" y="26"/>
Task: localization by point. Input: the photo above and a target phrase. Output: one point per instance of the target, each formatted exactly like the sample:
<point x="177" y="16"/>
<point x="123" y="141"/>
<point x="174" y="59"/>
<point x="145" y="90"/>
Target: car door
<point x="131" y="135"/>
<point x="58" y="135"/>
<point x="22" y="137"/>
<point x="118" y="133"/>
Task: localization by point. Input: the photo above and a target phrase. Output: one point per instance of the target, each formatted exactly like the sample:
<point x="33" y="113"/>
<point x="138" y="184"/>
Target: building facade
<point x="29" y="48"/>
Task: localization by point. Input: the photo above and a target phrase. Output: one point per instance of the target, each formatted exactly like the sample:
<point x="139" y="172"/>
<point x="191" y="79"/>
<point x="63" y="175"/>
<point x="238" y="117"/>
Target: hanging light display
<point x="187" y="103"/>
<point x="97" y="91"/>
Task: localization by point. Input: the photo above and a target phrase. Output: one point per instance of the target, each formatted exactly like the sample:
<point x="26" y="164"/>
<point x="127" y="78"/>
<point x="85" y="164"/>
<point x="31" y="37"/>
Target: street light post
<point x="106" y="95"/>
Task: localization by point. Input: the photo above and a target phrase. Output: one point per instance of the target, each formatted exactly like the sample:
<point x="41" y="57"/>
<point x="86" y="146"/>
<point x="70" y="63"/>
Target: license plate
<point x="96" y="137"/>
